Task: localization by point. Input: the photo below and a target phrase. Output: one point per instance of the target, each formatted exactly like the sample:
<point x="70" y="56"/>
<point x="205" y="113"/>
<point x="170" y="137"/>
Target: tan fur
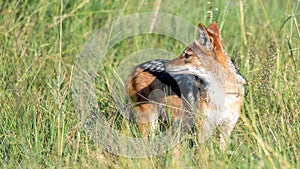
<point x="139" y="88"/>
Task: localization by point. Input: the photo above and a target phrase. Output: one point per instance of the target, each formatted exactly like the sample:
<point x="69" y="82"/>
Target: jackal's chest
<point x="228" y="109"/>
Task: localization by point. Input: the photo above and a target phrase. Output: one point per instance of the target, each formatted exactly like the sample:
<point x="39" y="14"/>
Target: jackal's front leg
<point x="226" y="127"/>
<point x="205" y="129"/>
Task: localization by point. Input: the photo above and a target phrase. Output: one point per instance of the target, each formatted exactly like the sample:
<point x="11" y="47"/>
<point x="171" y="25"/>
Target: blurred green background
<point x="41" y="41"/>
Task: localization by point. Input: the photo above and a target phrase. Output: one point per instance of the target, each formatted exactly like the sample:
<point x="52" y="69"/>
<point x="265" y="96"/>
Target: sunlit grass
<point x="40" y="43"/>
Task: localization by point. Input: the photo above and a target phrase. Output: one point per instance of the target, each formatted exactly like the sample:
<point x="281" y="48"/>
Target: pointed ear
<point x="203" y="37"/>
<point x="214" y="32"/>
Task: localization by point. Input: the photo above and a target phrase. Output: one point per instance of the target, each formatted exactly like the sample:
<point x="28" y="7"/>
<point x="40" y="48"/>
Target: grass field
<point x="40" y="44"/>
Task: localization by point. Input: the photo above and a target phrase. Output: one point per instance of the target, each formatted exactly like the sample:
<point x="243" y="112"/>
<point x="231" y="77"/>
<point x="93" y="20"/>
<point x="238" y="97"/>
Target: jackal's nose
<point x="168" y="67"/>
<point x="172" y="68"/>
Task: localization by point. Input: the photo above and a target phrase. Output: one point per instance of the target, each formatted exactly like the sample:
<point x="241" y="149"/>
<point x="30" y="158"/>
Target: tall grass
<point x="40" y="43"/>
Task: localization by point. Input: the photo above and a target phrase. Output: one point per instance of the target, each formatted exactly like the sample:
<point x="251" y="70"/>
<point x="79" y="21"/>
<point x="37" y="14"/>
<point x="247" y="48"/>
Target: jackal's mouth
<point x="189" y="70"/>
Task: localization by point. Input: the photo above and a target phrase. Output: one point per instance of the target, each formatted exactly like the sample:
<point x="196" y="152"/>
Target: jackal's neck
<point x="233" y="79"/>
<point x="225" y="87"/>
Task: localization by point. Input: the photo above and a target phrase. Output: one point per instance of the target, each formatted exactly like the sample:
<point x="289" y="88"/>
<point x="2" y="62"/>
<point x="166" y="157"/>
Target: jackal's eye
<point x="187" y="55"/>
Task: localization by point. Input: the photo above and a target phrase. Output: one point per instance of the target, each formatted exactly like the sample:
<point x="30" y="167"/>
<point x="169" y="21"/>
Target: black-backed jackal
<point x="201" y="87"/>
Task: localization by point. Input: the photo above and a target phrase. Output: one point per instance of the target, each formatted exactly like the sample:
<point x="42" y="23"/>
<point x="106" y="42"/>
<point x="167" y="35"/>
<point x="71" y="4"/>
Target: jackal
<point x="201" y="87"/>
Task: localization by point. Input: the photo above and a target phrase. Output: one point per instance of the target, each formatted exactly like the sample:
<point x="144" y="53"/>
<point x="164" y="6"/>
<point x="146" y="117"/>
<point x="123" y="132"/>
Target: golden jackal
<point x="201" y="87"/>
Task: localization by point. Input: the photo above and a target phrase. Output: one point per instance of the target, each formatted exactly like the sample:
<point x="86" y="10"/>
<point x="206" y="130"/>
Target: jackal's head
<point x="206" y="58"/>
